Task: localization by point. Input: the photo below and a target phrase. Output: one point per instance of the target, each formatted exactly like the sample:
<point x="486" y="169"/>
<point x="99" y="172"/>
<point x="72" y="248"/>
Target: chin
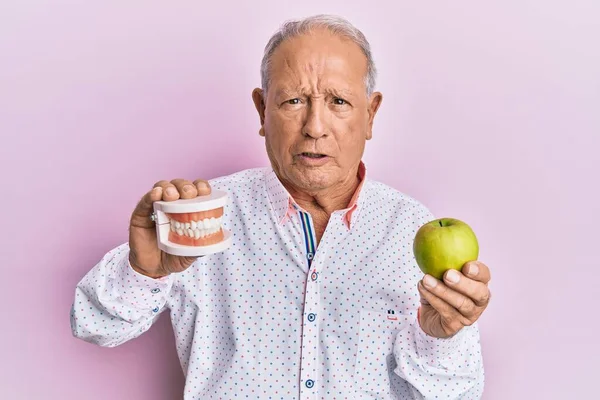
<point x="311" y="179"/>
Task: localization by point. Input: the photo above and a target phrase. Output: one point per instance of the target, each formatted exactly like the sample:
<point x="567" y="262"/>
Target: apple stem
<point x="440" y="223"/>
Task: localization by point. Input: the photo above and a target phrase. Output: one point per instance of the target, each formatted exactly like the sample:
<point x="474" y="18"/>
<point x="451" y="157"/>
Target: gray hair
<point x="336" y="25"/>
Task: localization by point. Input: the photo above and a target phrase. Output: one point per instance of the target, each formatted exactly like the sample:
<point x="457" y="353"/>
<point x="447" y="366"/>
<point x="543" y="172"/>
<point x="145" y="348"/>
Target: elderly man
<point x="319" y="296"/>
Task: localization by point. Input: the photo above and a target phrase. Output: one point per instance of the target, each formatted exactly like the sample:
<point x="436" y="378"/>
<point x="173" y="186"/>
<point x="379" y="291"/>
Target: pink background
<point x="491" y="114"/>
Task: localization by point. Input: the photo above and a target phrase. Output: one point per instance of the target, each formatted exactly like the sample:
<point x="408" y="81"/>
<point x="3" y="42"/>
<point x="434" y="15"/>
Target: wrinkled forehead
<point x="318" y="61"/>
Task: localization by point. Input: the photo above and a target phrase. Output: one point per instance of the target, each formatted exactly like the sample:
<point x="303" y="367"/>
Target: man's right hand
<point x="144" y="256"/>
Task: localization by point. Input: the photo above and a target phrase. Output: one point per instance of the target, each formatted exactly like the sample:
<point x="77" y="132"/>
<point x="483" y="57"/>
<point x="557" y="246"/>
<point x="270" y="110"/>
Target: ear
<point x="259" y="103"/>
<point x="374" y="103"/>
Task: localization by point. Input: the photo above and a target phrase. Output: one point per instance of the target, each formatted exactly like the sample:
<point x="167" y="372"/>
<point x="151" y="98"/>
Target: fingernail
<point x="171" y="191"/>
<point x="156" y="190"/>
<point x="429" y="281"/>
<point x="473" y="269"/>
<point x="187" y="188"/>
<point x="452" y="276"/>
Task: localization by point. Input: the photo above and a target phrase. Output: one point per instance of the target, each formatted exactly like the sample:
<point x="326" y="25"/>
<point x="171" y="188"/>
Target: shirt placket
<point x="310" y="323"/>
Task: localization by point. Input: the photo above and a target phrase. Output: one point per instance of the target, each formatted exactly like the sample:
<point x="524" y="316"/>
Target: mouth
<point x="314" y="156"/>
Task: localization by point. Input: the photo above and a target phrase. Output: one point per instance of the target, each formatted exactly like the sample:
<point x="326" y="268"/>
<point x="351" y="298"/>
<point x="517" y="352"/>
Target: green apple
<point x="444" y="243"/>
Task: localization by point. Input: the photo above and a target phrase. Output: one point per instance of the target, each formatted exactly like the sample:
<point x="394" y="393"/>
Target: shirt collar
<point x="284" y="205"/>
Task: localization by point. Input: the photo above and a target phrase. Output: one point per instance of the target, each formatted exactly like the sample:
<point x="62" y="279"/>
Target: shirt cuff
<point x="141" y="291"/>
<point x="438" y="351"/>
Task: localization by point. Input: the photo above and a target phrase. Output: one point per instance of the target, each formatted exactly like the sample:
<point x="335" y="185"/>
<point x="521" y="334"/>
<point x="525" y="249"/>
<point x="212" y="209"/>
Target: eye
<point x="339" y="102"/>
<point x="293" y="101"/>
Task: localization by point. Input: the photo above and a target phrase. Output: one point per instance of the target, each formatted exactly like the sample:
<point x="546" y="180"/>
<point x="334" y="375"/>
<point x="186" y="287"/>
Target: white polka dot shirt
<point x="275" y="317"/>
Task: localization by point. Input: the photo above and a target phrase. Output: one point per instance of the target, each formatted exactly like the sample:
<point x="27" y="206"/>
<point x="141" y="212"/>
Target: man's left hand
<point x="449" y="305"/>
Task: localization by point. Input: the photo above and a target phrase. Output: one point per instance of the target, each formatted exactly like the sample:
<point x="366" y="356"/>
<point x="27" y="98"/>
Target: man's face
<point x="316" y="115"/>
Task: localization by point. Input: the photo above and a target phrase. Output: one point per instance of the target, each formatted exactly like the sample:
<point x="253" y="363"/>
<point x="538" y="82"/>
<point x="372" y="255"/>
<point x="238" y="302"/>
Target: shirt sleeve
<point x="435" y="368"/>
<point x="114" y="303"/>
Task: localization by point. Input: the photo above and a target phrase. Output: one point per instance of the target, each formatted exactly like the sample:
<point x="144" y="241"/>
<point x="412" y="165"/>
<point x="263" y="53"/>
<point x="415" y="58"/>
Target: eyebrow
<point x="340" y="92"/>
<point x="287" y="92"/>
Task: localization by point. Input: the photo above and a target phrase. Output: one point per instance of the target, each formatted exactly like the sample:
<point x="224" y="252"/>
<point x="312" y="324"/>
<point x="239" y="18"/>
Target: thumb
<point x="141" y="215"/>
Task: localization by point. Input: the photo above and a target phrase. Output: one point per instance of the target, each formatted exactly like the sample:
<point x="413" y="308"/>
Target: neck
<point x="328" y="200"/>
<point x="321" y="204"/>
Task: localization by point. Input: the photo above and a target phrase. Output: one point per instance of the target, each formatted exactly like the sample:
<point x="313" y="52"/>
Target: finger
<point x="477" y="270"/>
<point x="187" y="190"/>
<point x="441" y="306"/>
<point x="170" y="192"/>
<point x="141" y="214"/>
<point x="453" y="320"/>
<point x="203" y="187"/>
<point x="179" y="263"/>
<point x="463" y="304"/>
<point x="477" y="292"/>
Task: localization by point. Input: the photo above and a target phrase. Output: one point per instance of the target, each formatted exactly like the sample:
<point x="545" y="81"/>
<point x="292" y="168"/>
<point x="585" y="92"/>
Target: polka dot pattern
<point x="258" y="321"/>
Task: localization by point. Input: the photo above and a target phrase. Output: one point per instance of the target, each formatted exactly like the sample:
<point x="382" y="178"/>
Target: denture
<point x="196" y="229"/>
<point x="192" y="227"/>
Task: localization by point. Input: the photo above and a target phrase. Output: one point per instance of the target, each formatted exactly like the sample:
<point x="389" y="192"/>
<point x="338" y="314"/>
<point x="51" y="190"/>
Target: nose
<point x="314" y="125"/>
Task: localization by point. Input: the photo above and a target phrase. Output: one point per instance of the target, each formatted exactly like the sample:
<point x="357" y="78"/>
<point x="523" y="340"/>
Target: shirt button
<point x="155" y="290"/>
<point x="310" y="383"/>
<point x="314" y="275"/>
<point x="155" y="309"/>
<point x="310" y="256"/>
<point x="312" y="317"/>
